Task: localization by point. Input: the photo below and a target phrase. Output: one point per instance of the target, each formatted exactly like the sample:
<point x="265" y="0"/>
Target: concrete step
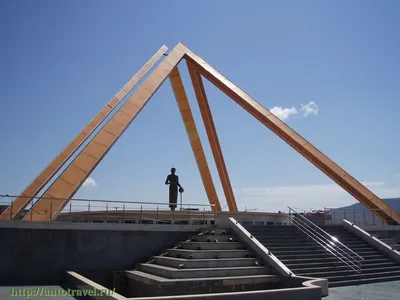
<point x="269" y="228"/>
<point x="320" y="265"/>
<point x="316" y="249"/>
<point x="217" y="231"/>
<point x="206" y="254"/>
<point x="147" y="285"/>
<point x="328" y="258"/>
<point x="316" y="254"/>
<point x="343" y="270"/>
<point x="340" y="276"/>
<point x="204" y="263"/>
<point x="212" y="238"/>
<point x="211" y="245"/>
<point x="175" y="273"/>
<point x="296" y="240"/>
<point x="278" y="235"/>
<point x="150" y="278"/>
<point x="285" y="243"/>
<point x="362" y="281"/>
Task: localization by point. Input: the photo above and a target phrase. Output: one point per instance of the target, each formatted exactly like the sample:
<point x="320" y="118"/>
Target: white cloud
<point x="283" y="113"/>
<point x="272" y="199"/>
<point x="309" y="109"/>
<point x="90" y="182"/>
<point x="306" y="110"/>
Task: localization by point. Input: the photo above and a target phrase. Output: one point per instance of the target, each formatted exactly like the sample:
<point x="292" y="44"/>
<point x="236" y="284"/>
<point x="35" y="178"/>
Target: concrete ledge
<point x="309" y="289"/>
<point x="295" y="281"/>
<point x="309" y="293"/>
<point x="258" y="248"/>
<point x="373" y="241"/>
<point x="101" y="226"/>
<point x="148" y="278"/>
<point x="394" y="228"/>
<point x="83" y="283"/>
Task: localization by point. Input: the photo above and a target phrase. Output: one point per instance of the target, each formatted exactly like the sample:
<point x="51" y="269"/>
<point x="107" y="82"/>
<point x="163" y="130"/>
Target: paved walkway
<point x="373" y="291"/>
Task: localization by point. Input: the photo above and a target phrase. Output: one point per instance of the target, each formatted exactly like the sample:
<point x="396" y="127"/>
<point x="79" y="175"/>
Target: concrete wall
<point x="303" y="290"/>
<point x="41" y="256"/>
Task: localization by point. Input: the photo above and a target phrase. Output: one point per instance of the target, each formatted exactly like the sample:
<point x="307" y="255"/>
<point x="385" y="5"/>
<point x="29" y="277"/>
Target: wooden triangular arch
<point x="67" y="184"/>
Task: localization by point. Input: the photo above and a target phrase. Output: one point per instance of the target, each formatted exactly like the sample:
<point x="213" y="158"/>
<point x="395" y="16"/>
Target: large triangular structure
<point x="71" y="179"/>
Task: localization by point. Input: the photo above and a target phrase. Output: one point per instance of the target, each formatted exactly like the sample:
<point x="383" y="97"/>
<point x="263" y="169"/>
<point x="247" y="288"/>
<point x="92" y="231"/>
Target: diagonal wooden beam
<point x="71" y="179"/>
<point x="48" y="173"/>
<point x="195" y="142"/>
<point x="208" y="121"/>
<point x="321" y="161"/>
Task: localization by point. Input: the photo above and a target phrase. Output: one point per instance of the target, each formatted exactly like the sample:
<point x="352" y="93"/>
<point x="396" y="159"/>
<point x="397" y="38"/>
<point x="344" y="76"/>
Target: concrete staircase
<point x="304" y="257"/>
<point x="210" y="262"/>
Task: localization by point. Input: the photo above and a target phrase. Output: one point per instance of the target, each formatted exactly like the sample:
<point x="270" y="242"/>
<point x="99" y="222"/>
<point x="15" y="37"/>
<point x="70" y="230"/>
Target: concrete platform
<point x="374" y="291"/>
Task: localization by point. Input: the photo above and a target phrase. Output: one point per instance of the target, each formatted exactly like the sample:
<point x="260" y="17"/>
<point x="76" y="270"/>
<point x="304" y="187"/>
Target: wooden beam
<point x="321" y="161"/>
<point x="71" y="179"/>
<point x="195" y="142"/>
<point x="201" y="96"/>
<point x="48" y="173"/>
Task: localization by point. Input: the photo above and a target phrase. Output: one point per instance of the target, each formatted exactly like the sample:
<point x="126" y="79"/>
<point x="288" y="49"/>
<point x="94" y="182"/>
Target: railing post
<point x="157" y="216"/>
<point x="11" y="208"/>
<point x="89" y="207"/>
<point x="107" y="212"/>
<point x="141" y="213"/>
<point x="70" y="211"/>
<point x="51" y="211"/>
<point x="204" y="215"/>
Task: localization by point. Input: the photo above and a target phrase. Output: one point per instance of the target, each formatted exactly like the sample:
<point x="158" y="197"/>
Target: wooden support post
<point x="208" y="121"/>
<point x="195" y="142"/>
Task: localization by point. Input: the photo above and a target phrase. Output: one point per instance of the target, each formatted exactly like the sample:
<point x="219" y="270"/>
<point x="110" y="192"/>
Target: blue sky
<point x="61" y="61"/>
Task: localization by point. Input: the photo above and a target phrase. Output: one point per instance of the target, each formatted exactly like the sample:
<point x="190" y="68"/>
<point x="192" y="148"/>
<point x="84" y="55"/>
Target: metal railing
<point x="96" y="210"/>
<point x="358" y="216"/>
<point x="330" y="243"/>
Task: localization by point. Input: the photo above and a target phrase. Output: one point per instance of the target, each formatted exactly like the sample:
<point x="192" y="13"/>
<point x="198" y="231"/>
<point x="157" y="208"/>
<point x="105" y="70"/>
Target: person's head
<point x="173" y="170"/>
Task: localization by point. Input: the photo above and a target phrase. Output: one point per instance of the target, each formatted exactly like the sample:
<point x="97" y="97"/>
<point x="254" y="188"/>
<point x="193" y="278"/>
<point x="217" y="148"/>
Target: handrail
<point x="326" y="233"/>
<point x="328" y="247"/>
<point x="325" y="240"/>
<point x="101" y="200"/>
<point x="101" y="205"/>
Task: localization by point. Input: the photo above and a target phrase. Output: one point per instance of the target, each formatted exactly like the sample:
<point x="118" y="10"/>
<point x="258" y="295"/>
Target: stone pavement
<point x="373" y="291"/>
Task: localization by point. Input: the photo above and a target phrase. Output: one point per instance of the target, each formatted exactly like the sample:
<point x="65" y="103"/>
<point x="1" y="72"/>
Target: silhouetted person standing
<point x="173" y="181"/>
